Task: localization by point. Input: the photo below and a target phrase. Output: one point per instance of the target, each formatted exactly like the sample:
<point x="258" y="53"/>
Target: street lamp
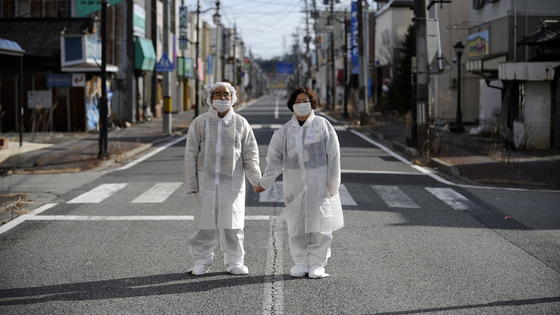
<point x="459" y="47"/>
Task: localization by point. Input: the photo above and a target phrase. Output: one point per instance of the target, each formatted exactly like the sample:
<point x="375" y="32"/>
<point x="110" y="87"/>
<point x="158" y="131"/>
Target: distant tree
<point x="400" y="89"/>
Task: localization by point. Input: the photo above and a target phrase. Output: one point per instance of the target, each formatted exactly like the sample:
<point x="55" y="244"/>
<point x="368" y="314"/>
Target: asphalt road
<point x="116" y="242"/>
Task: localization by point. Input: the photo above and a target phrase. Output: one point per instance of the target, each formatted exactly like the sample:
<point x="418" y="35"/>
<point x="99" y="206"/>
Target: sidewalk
<point x="74" y="152"/>
<point x="475" y="159"/>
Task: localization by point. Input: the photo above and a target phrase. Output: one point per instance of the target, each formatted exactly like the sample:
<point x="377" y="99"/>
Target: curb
<point x="445" y="167"/>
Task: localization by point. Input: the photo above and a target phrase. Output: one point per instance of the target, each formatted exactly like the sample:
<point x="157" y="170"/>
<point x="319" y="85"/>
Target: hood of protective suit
<point x="228" y="86"/>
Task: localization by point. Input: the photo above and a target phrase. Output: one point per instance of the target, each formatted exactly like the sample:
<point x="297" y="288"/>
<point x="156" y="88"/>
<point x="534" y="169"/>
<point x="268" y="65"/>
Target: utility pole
<point x="422" y="64"/>
<point x="197" y="48"/>
<point x="103" y="110"/>
<point x="307" y="40"/>
<point x="154" y="43"/>
<point x="362" y="41"/>
<point x="332" y="64"/>
<point x="167" y="101"/>
<point x="316" y="13"/>
<point x="217" y="22"/>
<point x="346" y="61"/>
<point x="223" y="56"/>
<point x="234" y="71"/>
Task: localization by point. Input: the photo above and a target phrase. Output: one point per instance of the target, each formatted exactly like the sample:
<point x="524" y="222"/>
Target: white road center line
<point x="394" y="197"/>
<point x="98" y="194"/>
<point x="276" y="109"/>
<point x="452" y="198"/>
<point x="157" y="193"/>
<point x="130" y="218"/>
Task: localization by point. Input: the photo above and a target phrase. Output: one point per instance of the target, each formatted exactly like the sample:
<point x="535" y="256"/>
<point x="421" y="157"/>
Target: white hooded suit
<point x="309" y="158"/>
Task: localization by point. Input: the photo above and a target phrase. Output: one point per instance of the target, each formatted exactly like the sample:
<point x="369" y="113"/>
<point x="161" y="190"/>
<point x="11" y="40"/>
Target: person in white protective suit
<point x="307" y="152"/>
<point x="220" y="150"/>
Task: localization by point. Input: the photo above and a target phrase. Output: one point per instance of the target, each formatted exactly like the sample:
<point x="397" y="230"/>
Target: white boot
<point x="317" y="271"/>
<point x="299" y="270"/>
<point x="237" y="269"/>
<point x="199" y="270"/>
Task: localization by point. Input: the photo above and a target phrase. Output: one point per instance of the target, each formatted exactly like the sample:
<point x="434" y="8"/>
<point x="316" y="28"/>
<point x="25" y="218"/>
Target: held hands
<point x="258" y="188"/>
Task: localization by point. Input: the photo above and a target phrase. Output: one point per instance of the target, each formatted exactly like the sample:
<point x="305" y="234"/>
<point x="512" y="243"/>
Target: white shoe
<point x="316" y="272"/>
<point x="199" y="270"/>
<point x="236" y="269"/>
<point x="299" y="270"/>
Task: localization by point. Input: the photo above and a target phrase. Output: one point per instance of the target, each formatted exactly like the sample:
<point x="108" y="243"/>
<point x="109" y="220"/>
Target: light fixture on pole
<point x="459" y="47"/>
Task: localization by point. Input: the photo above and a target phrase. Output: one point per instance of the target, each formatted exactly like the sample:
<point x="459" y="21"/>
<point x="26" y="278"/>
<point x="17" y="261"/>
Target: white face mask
<point x="302" y="109"/>
<point x="221" y="105"/>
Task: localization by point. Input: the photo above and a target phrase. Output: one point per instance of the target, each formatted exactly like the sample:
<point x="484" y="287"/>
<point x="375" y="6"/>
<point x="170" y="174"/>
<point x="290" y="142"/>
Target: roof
<point x="8" y="47"/>
<point x="41" y="36"/>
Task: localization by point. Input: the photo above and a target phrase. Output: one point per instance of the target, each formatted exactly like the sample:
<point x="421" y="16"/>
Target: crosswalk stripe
<point x="99" y="193"/>
<point x="394" y="197"/>
<point x="276" y="194"/>
<point x="157" y="193"/>
<point x="345" y="197"/>
<point x="452" y="198"/>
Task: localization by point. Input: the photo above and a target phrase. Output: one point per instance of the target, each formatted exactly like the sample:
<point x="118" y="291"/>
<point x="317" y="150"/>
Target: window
<point x="478" y="4"/>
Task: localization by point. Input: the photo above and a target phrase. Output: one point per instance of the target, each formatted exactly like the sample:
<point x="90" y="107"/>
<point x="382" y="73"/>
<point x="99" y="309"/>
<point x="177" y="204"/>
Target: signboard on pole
<point x="354" y="52"/>
<point x="164" y="64"/>
<point x="59" y="80"/>
<point x="79" y="80"/>
<point x="284" y="67"/>
<point x="87" y="7"/>
<point x="39" y="99"/>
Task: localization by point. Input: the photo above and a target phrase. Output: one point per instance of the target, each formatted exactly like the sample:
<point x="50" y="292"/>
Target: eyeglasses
<point x="221" y="94"/>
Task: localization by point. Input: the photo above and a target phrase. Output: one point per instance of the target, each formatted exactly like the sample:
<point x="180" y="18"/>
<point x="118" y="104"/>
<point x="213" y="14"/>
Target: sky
<point x="266" y="26"/>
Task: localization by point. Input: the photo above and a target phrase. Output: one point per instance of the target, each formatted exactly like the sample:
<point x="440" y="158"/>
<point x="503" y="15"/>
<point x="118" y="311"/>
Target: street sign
<point x="354" y="52"/>
<point x="79" y="79"/>
<point x="284" y="67"/>
<point x="164" y="64"/>
<point x="59" y="80"/>
<point x="87" y="7"/>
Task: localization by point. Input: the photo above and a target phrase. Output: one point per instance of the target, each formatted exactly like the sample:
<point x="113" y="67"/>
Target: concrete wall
<point x="537" y="114"/>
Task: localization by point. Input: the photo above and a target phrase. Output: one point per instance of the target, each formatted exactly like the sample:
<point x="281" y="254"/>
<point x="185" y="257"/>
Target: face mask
<point x="302" y="109"/>
<point x="221" y="105"/>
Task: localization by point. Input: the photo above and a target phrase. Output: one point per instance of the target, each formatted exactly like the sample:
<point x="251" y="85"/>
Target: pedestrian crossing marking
<point x="99" y="193"/>
<point x="394" y="197"/>
<point x="157" y="193"/>
<point x="276" y="194"/>
<point x="452" y="198"/>
<point x="345" y="197"/>
<point x="130" y="218"/>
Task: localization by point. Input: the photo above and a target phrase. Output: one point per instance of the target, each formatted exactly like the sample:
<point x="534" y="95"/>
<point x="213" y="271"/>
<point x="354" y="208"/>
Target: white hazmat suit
<point x="219" y="153"/>
<point x="309" y="158"/>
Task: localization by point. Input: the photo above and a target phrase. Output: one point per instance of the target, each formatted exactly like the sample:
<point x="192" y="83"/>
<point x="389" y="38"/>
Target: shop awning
<point x="8" y="47"/>
<point x="144" y="54"/>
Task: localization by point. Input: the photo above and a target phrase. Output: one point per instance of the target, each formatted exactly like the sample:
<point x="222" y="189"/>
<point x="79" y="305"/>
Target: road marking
<point x="265" y="126"/>
<point x="152" y="153"/>
<point x="276" y="194"/>
<point x="345" y="197"/>
<point x="381" y="172"/>
<point x="98" y="194"/>
<point x="394" y="197"/>
<point x="276" y="109"/>
<point x="130" y="218"/>
<point x="273" y="302"/>
<point x="157" y="193"/>
<point x="10" y="225"/>
<point x="452" y="198"/>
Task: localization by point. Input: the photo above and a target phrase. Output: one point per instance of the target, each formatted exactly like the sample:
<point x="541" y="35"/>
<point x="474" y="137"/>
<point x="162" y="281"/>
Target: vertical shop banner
<point x="139" y="21"/>
<point x="183" y="24"/>
<point x="354" y="52"/>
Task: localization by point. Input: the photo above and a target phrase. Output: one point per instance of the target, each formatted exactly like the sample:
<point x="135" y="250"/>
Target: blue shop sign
<point x="59" y="80"/>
